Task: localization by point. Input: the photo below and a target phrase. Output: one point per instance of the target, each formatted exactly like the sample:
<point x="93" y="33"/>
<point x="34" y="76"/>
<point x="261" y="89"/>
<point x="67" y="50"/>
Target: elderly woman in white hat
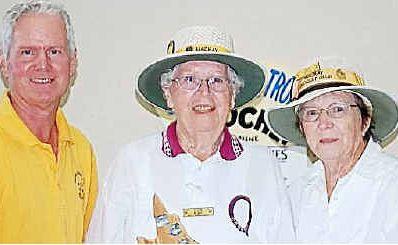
<point x="351" y="193"/>
<point x="218" y="189"/>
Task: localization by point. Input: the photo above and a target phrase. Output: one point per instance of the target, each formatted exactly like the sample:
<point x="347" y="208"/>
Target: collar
<point x="230" y="148"/>
<point x="374" y="164"/>
<point x="12" y="124"/>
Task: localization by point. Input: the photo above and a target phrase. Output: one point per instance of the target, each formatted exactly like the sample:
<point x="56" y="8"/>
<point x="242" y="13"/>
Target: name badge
<point x="193" y="212"/>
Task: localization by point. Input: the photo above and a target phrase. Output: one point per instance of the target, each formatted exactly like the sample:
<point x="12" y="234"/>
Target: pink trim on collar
<point x="230" y="148"/>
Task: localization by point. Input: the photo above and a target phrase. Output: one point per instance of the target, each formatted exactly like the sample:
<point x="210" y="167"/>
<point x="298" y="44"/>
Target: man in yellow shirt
<point x="48" y="175"/>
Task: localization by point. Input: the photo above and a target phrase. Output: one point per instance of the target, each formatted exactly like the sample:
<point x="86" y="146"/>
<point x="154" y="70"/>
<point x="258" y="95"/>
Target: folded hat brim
<point x="283" y="122"/>
<point x="150" y="94"/>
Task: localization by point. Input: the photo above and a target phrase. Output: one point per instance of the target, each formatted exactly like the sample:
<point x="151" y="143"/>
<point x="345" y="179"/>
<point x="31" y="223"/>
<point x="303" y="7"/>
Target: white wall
<point x="116" y="39"/>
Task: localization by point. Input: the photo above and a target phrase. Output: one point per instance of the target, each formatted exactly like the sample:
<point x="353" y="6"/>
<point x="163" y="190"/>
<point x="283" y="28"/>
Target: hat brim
<point x="150" y="95"/>
<point x="283" y="121"/>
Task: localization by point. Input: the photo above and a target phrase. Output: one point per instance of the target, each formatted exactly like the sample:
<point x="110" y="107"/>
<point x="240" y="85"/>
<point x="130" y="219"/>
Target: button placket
<point x="195" y="181"/>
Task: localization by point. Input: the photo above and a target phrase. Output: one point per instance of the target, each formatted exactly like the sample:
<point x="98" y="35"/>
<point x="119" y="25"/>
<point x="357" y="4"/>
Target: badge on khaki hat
<point x="315" y="75"/>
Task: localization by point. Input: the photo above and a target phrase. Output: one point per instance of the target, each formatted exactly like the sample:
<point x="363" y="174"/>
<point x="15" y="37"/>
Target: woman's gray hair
<point x="236" y="81"/>
<point x="34" y="6"/>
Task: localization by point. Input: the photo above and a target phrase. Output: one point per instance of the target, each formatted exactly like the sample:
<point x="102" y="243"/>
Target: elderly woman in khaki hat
<point x="195" y="181"/>
<point x="351" y="193"/>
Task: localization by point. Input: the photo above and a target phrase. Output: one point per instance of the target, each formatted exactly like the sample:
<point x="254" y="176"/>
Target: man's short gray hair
<point x="236" y="81"/>
<point x="34" y="6"/>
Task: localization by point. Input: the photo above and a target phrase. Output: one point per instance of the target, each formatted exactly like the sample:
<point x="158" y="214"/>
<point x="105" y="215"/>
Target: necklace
<point x="232" y="216"/>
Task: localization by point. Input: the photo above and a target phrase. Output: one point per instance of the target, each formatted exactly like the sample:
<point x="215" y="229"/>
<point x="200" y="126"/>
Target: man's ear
<point x="4" y="68"/>
<point x="73" y="67"/>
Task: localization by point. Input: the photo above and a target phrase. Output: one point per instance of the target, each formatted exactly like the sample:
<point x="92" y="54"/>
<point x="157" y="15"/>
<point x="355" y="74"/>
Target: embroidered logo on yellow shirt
<point x="192" y="212"/>
<point x="79" y="181"/>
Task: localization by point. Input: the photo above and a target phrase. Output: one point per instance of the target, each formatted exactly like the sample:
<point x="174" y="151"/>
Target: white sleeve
<point x="273" y="220"/>
<point x="294" y="170"/>
<point x="112" y="214"/>
<point x="386" y="217"/>
<point x="286" y="228"/>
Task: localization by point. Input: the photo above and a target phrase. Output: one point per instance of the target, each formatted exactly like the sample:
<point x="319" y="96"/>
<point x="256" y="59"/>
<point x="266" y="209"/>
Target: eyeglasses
<point x="335" y="110"/>
<point x="192" y="83"/>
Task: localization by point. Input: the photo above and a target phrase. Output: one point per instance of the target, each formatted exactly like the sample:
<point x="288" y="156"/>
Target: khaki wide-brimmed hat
<point x="314" y="81"/>
<point x="198" y="43"/>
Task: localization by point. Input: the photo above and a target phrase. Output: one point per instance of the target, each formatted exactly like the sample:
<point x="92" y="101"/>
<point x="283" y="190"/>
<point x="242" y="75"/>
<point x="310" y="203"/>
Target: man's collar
<point x="13" y="125"/>
<point x="230" y="148"/>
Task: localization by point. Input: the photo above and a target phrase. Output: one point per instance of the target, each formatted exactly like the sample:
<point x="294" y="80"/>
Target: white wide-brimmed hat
<point x="198" y="43"/>
<point x="314" y="81"/>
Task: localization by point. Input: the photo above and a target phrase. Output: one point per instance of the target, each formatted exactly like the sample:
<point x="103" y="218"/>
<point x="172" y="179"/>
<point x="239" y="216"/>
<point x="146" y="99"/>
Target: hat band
<point x="319" y="86"/>
<point x="314" y="75"/>
<point x="201" y="48"/>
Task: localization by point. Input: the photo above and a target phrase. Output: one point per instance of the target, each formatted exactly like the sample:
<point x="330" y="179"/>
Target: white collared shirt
<point x="362" y="208"/>
<point x="124" y="209"/>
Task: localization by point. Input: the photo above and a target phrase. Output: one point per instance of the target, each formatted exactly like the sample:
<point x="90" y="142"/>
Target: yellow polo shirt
<point x="43" y="199"/>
